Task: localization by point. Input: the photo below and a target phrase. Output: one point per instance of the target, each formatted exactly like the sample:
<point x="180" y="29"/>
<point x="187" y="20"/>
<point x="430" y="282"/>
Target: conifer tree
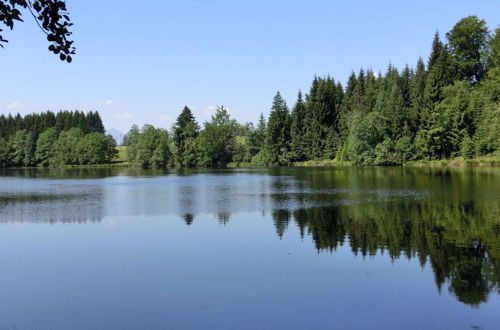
<point x="417" y="95"/>
<point x="277" y="141"/>
<point x="437" y="47"/>
<point x="185" y="132"/>
<point x="322" y="116"/>
<point x="297" y="129"/>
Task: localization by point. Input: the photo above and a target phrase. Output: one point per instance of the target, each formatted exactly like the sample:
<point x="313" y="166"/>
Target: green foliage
<point x="447" y="109"/>
<point x="467" y="149"/>
<point x="45" y="145"/>
<point x="48" y="139"/>
<point x="185" y="132"/>
<point x="37" y="123"/>
<point x="149" y="147"/>
<point x="468" y="45"/>
<point x="494" y="50"/>
<point x="297" y="130"/>
<point x="365" y="133"/>
<point x="51" y="16"/>
<point x="322" y="118"/>
<point x="65" y="149"/>
<point x="277" y="142"/>
<point x="96" y="148"/>
<point x="23" y="147"/>
<point x="217" y="141"/>
<point x="4" y="153"/>
<point x="488" y="130"/>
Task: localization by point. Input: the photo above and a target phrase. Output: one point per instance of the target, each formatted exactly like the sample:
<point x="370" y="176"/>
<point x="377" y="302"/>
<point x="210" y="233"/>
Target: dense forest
<point x="446" y="107"/>
<point x="442" y="108"/>
<point x="49" y="139"/>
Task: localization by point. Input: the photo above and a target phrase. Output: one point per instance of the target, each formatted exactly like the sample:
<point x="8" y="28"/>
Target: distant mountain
<point x="116" y="134"/>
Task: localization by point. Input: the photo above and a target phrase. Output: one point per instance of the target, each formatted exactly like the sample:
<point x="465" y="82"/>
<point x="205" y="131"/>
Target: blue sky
<point x="142" y="61"/>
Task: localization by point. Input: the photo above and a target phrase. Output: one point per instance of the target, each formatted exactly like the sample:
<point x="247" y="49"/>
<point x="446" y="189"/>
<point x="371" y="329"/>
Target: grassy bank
<point x="454" y="162"/>
<point x="321" y="163"/>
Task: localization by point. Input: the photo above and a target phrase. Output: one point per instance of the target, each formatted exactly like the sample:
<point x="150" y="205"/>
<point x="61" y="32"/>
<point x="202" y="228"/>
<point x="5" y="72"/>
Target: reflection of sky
<point x="40" y="200"/>
<point x="231" y="194"/>
<point x="231" y="249"/>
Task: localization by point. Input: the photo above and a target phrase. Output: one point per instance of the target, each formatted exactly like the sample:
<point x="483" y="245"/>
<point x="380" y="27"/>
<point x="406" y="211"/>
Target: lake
<point x="290" y="248"/>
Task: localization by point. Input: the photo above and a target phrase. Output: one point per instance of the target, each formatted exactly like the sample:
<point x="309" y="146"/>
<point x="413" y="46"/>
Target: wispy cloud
<point x="108" y="102"/>
<point x="15" y="105"/>
<point x="123" y="115"/>
<point x="210" y="110"/>
<point x="165" y="117"/>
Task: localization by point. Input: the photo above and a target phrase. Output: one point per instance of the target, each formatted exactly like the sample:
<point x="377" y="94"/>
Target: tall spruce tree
<point x="277" y="141"/>
<point x="185" y="132"/>
<point x="322" y="116"/>
<point x="417" y="95"/>
<point x="297" y="145"/>
<point x="436" y="48"/>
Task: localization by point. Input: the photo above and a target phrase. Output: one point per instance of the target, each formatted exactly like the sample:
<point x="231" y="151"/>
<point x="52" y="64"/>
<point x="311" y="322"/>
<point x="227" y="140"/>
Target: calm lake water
<point x="315" y="248"/>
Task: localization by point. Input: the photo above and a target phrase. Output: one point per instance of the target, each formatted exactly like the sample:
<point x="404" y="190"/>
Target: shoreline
<point x="455" y="162"/>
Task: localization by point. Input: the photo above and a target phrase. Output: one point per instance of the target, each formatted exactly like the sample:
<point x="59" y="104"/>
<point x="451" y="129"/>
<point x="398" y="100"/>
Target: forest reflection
<point x="461" y="243"/>
<point x="447" y="219"/>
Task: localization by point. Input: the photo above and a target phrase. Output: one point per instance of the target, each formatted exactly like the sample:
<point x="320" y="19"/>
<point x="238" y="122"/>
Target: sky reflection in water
<point x="296" y="248"/>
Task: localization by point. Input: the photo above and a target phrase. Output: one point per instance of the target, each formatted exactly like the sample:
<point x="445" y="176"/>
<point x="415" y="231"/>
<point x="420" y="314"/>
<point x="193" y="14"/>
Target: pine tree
<point x="185" y="132"/>
<point x="297" y="130"/>
<point x="417" y="95"/>
<point x="443" y="73"/>
<point x="277" y="141"/>
<point x="437" y="47"/>
<point x="322" y="118"/>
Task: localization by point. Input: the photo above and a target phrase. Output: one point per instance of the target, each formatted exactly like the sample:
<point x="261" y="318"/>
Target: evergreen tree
<point x="297" y="145"/>
<point x="277" y="141"/>
<point x="185" y="132"/>
<point x="436" y="49"/>
<point x="322" y="118"/>
<point x="443" y="73"/>
<point x="417" y="95"/>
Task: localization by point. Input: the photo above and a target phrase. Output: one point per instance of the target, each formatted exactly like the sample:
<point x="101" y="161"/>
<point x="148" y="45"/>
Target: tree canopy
<point x="51" y="17"/>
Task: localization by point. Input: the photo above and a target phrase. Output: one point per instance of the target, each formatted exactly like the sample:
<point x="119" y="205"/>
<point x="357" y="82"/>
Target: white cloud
<point x="210" y="110"/>
<point x="123" y="115"/>
<point x="15" y="105"/>
<point x="165" y="117"/>
<point x="108" y="102"/>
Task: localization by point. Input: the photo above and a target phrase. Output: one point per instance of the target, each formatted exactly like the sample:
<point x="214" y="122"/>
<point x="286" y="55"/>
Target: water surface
<point x="343" y="248"/>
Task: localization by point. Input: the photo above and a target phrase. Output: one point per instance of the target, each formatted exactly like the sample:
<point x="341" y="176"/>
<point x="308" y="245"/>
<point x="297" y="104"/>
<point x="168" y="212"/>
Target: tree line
<point x="49" y="139"/>
<point x="446" y="107"/>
